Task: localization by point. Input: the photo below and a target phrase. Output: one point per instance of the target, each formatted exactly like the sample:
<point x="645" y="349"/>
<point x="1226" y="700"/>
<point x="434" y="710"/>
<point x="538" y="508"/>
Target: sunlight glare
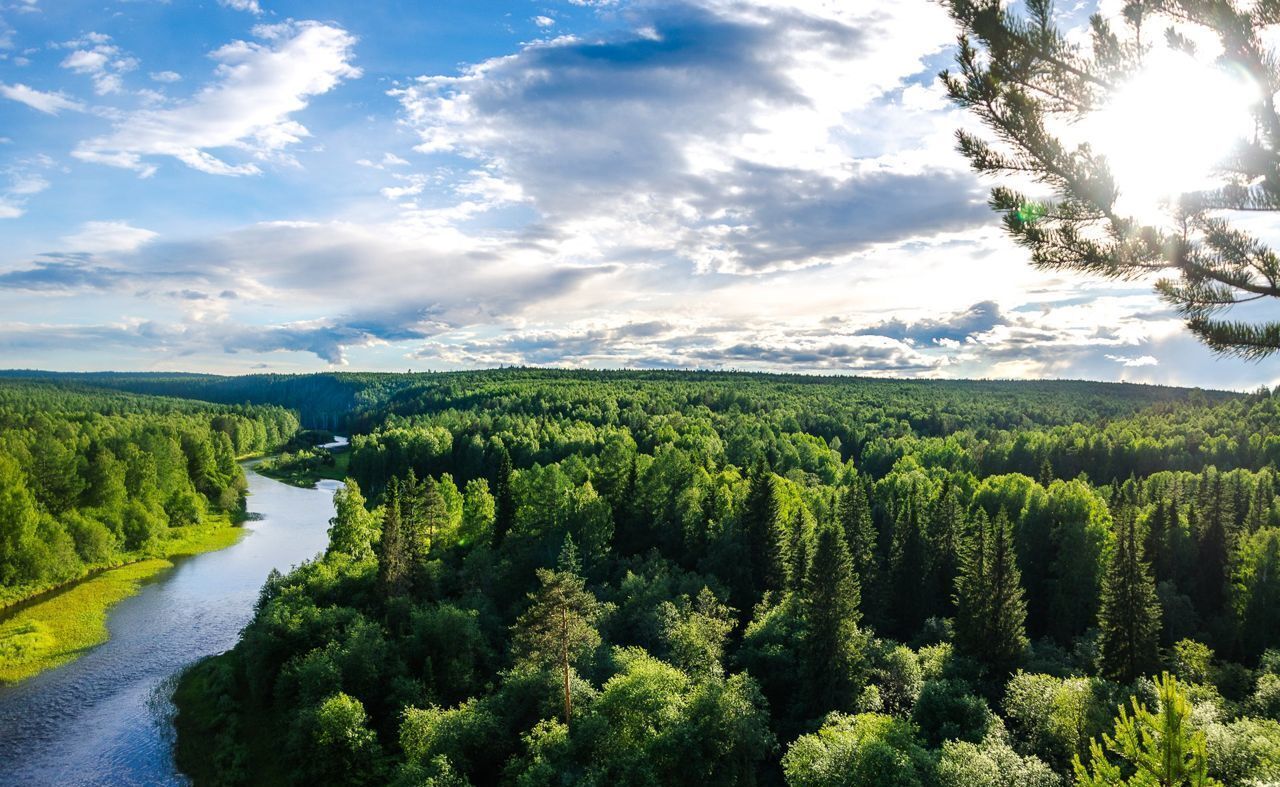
<point x="1168" y="128"/>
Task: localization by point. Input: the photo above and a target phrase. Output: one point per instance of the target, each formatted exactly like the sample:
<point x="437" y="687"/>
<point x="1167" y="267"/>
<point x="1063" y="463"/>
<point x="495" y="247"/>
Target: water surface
<point x="106" y="718"/>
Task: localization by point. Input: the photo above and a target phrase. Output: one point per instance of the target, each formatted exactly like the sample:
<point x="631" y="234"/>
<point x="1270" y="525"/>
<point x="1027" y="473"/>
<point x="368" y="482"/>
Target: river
<point x="106" y="718"/>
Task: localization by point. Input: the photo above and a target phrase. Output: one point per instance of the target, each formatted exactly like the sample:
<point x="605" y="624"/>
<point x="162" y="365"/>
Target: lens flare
<point x="1167" y="130"/>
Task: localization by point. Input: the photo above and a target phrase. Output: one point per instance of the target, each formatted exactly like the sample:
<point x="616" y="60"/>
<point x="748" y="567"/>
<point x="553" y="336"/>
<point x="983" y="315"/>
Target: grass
<point x="58" y="629"/>
<point x="307" y="477"/>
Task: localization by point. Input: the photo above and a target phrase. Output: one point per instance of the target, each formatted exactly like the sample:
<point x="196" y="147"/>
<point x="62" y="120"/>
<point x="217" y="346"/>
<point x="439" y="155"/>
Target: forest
<point x="542" y="578"/>
<point x="91" y="478"/>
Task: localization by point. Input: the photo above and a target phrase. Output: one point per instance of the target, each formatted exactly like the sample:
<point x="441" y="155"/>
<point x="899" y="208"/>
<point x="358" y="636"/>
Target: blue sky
<point x="235" y="185"/>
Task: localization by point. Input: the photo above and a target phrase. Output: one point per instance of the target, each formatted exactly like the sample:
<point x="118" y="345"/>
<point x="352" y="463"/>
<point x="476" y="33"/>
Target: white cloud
<point x="104" y="237"/>
<point x="716" y="132"/>
<point x="48" y="103"/>
<point x="544" y="21"/>
<point x="251" y="6"/>
<point x="248" y="107"/>
<point x="1130" y="361"/>
<point x="103" y="62"/>
<point x="165" y="76"/>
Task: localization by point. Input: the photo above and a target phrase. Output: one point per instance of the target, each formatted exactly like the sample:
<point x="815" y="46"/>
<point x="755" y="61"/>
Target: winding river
<point x="106" y="718"/>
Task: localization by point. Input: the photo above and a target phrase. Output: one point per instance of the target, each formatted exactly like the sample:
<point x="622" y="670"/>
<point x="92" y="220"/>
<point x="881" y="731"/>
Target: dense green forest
<point x="545" y="578"/>
<point x="92" y="478"/>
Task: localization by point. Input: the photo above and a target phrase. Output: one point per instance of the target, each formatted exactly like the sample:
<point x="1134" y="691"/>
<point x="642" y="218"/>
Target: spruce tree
<point x="830" y="599"/>
<point x="766" y="563"/>
<point x="1129" y="615"/>
<point x="854" y="516"/>
<point x="799" y="549"/>
<point x="1213" y="545"/>
<point x="909" y="566"/>
<point x="1157" y="541"/>
<point x="504" y="501"/>
<point x="946" y="529"/>
<point x="393" y="558"/>
<point x="991" y="611"/>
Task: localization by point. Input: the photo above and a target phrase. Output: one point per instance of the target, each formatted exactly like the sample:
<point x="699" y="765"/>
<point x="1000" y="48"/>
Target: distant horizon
<point x="835" y="376"/>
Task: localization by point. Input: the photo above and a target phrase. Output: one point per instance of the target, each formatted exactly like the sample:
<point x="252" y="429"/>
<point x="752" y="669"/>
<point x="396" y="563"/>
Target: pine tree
<point x="1129" y="616"/>
<point x="830" y="602"/>
<point x="559" y="627"/>
<point x="433" y="514"/>
<point x="991" y="611"/>
<point x="766" y="563"/>
<point x="1160" y="749"/>
<point x="393" y="558"/>
<point x="1025" y="79"/>
<point x="505" y="504"/>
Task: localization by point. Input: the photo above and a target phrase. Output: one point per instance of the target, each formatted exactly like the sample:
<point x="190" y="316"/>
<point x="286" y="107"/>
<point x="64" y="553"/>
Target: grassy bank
<point x="57" y="629"/>
<point x="305" y="468"/>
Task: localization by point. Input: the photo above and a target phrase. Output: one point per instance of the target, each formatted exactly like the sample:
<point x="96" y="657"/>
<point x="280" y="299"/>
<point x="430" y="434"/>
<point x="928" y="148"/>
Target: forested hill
<point x="92" y="478"/>
<point x="548" y="578"/>
<point x="342" y="400"/>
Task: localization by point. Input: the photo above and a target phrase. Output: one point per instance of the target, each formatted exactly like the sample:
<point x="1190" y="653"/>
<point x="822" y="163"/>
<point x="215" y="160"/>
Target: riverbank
<point x="60" y="627"/>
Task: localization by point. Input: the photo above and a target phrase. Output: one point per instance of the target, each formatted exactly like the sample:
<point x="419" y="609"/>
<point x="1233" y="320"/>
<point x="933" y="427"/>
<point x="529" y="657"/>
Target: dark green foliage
<point x="830" y="604"/>
<point x="990" y="609"/>
<point x="1129" y="617"/>
<point x="639" y="507"/>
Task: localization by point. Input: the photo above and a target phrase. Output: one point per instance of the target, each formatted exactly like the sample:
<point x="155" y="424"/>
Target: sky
<point x="236" y="186"/>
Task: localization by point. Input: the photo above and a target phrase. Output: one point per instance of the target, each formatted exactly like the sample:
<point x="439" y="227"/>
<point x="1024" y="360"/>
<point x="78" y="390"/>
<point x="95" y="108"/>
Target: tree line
<point x="92" y="478"/>
<point x="558" y="579"/>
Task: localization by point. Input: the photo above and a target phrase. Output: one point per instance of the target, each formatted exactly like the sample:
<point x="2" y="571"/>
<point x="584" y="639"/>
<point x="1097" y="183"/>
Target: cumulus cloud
<point x="714" y="132"/>
<point x="102" y="61"/>
<point x="165" y="76"/>
<point x="48" y="103"/>
<point x="248" y="108"/>
<point x="104" y="237"/>
<point x="251" y="6"/>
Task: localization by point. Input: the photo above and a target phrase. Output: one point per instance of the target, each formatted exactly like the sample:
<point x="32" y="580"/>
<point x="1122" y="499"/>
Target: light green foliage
<point x="695" y="633"/>
<point x="867" y="750"/>
<point x="1054" y="718"/>
<point x="478" y="511"/>
<point x="353" y="530"/>
<point x="991" y="763"/>
<point x="1159" y="748"/>
<point x="341" y="742"/>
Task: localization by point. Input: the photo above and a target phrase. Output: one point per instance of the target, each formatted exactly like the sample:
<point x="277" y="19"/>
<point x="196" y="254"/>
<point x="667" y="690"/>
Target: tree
<point x="559" y="627"/>
<point x="909" y="565"/>
<point x="946" y="529"/>
<point x="393" y="549"/>
<point x="990" y="609"/>
<point x="1160" y="749"/>
<point x="767" y="565"/>
<point x="1214" y="545"/>
<point x="505" y="512"/>
<point x="1129" y="616"/>
<point x="800" y="550"/>
<point x="830" y="608"/>
<point x="854" y="515"/>
<point x="1025" y="80"/>
<point x="1257" y="591"/>
<point x="867" y="750"/>
<point x="478" y="513"/>
<point x="352" y="530"/>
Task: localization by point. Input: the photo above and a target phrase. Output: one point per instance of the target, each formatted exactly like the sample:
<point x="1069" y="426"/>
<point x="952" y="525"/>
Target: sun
<point x="1166" y="131"/>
